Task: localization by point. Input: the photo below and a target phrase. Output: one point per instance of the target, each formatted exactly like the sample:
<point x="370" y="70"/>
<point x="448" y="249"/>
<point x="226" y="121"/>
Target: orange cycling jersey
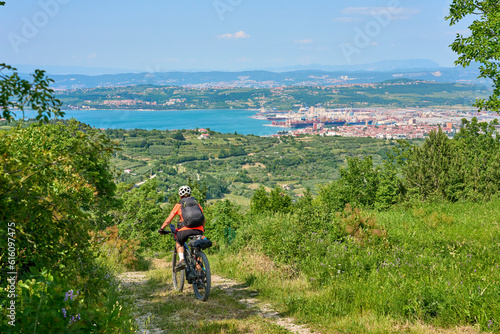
<point x="177" y="211"/>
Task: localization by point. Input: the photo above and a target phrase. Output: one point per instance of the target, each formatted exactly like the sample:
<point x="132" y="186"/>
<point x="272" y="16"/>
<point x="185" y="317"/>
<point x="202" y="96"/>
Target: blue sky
<point x="163" y="35"/>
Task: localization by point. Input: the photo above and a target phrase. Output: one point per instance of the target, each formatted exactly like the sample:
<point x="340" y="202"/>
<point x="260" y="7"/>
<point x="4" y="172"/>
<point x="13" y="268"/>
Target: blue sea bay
<point x="217" y="120"/>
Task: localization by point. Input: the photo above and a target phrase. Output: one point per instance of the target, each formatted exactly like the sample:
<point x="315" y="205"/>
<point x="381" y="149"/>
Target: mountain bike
<point x="197" y="270"/>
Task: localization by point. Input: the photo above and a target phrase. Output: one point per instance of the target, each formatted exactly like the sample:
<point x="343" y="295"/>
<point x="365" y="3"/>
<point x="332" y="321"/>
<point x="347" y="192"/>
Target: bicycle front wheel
<point x="177" y="276"/>
<point x="203" y="281"/>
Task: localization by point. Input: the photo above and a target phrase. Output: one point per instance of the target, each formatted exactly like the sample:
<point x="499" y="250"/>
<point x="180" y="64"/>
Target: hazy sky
<point x="161" y="35"/>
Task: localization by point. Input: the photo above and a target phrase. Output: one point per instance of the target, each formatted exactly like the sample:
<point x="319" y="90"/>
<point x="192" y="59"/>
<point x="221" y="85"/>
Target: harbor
<point x="381" y="123"/>
<point x="315" y="117"/>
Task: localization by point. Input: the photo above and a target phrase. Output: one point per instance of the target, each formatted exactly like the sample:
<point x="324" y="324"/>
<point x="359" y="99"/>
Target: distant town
<point x="393" y="109"/>
<point x="397" y="93"/>
<point x="381" y="123"/>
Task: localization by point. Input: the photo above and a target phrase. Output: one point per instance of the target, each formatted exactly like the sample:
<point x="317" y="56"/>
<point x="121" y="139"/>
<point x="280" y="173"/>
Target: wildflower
<point x="74" y="318"/>
<point x="490" y="322"/>
<point x="69" y="294"/>
<point x="64" y="312"/>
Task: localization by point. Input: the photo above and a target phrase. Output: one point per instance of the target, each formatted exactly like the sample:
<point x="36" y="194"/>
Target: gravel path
<point x="134" y="283"/>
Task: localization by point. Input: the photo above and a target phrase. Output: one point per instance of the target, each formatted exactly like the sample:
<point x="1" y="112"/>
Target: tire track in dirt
<point x="264" y="310"/>
<point x="134" y="282"/>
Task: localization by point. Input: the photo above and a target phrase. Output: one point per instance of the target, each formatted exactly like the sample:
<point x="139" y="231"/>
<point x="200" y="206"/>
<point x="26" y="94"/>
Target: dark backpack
<point x="191" y="212"/>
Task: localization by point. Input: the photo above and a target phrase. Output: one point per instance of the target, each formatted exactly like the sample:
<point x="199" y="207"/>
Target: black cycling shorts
<point x="182" y="236"/>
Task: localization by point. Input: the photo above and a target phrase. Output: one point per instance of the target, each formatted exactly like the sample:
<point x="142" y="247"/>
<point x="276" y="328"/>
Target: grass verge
<point x="437" y="272"/>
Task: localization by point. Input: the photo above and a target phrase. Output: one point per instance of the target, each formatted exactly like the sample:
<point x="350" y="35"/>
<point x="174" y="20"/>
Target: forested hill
<point x="392" y="93"/>
<point x="256" y="79"/>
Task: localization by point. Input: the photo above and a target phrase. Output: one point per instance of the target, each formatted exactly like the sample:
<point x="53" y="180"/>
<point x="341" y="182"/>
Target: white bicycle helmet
<point x="184" y="190"/>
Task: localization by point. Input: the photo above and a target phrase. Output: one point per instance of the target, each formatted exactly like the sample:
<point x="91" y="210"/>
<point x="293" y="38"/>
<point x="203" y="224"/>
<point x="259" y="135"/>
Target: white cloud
<point x="92" y="56"/>
<point x="239" y="35"/>
<point x="397" y="13"/>
<point x="304" y="41"/>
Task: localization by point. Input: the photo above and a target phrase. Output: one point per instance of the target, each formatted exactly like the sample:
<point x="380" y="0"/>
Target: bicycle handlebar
<point x="171" y="231"/>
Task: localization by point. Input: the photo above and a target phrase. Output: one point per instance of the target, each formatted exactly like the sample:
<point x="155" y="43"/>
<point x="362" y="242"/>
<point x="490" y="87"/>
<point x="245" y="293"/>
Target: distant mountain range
<point x="322" y="75"/>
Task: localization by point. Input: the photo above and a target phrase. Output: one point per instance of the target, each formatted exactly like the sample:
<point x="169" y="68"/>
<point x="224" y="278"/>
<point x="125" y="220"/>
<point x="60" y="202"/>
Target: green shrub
<point x="223" y="221"/>
<point x="48" y="303"/>
<point x="56" y="186"/>
<point x="120" y="254"/>
<point x="141" y="215"/>
<point x="275" y="201"/>
<point x="432" y="262"/>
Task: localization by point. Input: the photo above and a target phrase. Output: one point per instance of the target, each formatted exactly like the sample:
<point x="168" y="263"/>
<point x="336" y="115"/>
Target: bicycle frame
<point x="197" y="272"/>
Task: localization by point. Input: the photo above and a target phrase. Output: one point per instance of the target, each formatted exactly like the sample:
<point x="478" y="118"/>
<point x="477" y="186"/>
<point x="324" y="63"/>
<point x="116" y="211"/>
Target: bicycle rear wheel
<point x="203" y="281"/>
<point x="177" y="276"/>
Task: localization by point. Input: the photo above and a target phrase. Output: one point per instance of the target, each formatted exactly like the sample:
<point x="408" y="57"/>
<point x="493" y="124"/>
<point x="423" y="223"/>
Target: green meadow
<point x="437" y="265"/>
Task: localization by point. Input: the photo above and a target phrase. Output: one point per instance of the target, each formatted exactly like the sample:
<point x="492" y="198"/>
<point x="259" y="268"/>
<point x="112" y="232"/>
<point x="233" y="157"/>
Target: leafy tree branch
<point x="483" y="44"/>
<point x="19" y="94"/>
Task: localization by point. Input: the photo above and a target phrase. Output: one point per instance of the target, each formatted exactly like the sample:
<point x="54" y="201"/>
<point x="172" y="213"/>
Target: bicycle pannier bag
<point x="203" y="243"/>
<point x="191" y="212"/>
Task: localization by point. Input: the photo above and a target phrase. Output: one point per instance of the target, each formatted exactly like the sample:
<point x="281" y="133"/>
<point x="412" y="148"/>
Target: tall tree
<point x="483" y="44"/>
<point x="466" y="167"/>
<point x="427" y="171"/>
<point x="478" y="152"/>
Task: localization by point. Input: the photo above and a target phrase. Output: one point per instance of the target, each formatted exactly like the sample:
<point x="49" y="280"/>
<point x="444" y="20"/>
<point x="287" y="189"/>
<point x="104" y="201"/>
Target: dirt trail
<point x="264" y="310"/>
<point x="146" y="291"/>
